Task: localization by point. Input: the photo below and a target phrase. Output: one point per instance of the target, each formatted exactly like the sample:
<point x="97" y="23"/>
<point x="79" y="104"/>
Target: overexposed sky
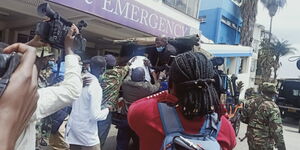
<point x="286" y="25"/>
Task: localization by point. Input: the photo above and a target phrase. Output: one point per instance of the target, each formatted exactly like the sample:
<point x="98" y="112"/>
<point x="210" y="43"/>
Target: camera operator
<point x="16" y="108"/>
<point x="51" y="99"/>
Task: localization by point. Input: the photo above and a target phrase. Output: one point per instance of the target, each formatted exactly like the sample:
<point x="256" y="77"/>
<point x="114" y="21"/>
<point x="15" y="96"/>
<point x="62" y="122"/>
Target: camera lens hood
<point x="45" y="10"/>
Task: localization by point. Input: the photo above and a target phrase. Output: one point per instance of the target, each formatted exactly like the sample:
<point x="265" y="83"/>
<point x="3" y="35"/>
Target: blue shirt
<point x="61" y="70"/>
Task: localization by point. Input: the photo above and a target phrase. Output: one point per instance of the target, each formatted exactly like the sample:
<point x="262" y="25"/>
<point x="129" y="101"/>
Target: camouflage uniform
<point x="44" y="77"/>
<point x="250" y="94"/>
<point x="43" y="131"/>
<point x="264" y="122"/>
<point x="111" y="82"/>
<point x="43" y="126"/>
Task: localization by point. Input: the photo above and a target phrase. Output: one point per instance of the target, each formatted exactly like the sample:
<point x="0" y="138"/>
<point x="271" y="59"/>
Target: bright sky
<point x="286" y="25"/>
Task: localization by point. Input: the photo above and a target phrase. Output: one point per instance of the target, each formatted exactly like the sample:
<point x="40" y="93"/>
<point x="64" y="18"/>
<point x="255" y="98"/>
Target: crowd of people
<point x="80" y="101"/>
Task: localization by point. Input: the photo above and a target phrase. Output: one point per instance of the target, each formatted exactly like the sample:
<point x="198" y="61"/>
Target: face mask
<point x="159" y="49"/>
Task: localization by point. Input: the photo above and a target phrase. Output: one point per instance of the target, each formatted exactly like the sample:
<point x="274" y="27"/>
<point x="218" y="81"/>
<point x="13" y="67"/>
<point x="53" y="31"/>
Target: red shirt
<point x="143" y="117"/>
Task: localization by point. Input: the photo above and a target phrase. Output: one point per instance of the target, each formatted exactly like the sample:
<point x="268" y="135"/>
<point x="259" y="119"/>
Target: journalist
<point x="19" y="100"/>
<point x="51" y="99"/>
<point x="82" y="130"/>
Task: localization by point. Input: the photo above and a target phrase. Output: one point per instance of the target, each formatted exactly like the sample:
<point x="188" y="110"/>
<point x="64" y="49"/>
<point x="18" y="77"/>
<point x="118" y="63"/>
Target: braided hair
<point x="191" y="76"/>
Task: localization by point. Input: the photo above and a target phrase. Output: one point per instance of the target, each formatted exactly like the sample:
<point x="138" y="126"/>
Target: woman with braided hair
<point x="192" y="93"/>
<point x="191" y="78"/>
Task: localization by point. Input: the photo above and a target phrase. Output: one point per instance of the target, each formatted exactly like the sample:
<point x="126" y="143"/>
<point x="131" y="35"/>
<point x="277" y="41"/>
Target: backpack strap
<point x="211" y="125"/>
<point x="169" y="119"/>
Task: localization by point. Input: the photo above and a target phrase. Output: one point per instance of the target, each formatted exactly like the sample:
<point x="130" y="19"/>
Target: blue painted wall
<point x="213" y="28"/>
<point x="208" y="28"/>
<point x="210" y="4"/>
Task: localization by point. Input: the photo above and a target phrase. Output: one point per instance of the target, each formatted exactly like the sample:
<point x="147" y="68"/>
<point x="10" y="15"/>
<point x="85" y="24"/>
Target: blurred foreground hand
<point x="19" y="100"/>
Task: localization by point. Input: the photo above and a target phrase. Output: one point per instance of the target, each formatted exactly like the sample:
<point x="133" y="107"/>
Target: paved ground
<point x="291" y="135"/>
<point x="110" y="143"/>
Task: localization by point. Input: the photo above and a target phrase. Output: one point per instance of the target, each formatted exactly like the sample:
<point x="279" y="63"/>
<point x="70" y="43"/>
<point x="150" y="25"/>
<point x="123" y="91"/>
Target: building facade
<point x="259" y="33"/>
<point x="237" y="61"/>
<point x="107" y="19"/>
<point x="221" y="21"/>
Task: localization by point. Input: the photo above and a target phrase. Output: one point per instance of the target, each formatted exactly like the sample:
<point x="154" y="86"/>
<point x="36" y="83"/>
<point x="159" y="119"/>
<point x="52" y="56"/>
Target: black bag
<point x="8" y="64"/>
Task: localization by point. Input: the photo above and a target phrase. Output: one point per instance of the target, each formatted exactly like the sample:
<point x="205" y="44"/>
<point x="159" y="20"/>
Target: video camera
<point x="55" y="30"/>
<point x="222" y="82"/>
<point x="221" y="79"/>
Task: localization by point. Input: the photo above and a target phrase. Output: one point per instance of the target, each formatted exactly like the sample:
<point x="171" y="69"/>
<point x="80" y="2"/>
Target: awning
<point x="222" y="50"/>
<point x="205" y="39"/>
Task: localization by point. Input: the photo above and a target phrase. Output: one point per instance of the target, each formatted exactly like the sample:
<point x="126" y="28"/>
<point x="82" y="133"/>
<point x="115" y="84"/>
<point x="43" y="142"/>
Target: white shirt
<point x="139" y="62"/>
<point x="82" y="126"/>
<point x="52" y="99"/>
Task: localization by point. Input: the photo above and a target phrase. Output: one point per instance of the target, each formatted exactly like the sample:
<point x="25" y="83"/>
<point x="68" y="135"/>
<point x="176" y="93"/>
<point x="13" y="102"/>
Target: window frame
<point x="296" y="93"/>
<point x="195" y="16"/>
<point x="230" y="24"/>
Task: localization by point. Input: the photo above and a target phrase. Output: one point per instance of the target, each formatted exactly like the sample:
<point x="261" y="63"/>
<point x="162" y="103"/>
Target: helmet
<point x="269" y="87"/>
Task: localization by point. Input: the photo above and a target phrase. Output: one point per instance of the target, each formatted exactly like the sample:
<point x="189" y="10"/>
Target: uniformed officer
<point x="44" y="66"/>
<point x="264" y="121"/>
<point x="43" y="127"/>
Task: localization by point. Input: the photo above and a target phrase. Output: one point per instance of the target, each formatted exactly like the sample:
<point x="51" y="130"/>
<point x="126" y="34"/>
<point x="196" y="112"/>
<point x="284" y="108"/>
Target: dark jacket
<point x="161" y="58"/>
<point x="59" y="117"/>
<point x="133" y="91"/>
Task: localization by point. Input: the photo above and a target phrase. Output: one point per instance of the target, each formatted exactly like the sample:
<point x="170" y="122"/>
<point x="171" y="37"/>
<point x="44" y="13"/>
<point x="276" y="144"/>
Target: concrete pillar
<point x="233" y="65"/>
<point x="237" y="65"/>
<point x="5" y="35"/>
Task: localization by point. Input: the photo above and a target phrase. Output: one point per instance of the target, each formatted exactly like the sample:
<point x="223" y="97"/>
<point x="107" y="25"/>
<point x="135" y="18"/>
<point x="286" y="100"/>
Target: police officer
<point x="250" y="94"/>
<point x="264" y="121"/>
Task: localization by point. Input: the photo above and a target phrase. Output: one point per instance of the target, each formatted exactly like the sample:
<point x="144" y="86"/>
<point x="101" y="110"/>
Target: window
<point x="202" y="19"/>
<point x="189" y="7"/>
<point x="169" y="2"/>
<point x="181" y="5"/>
<point x="243" y="65"/>
<point x="296" y="93"/>
<point x="192" y="7"/>
<point x="230" y="24"/>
